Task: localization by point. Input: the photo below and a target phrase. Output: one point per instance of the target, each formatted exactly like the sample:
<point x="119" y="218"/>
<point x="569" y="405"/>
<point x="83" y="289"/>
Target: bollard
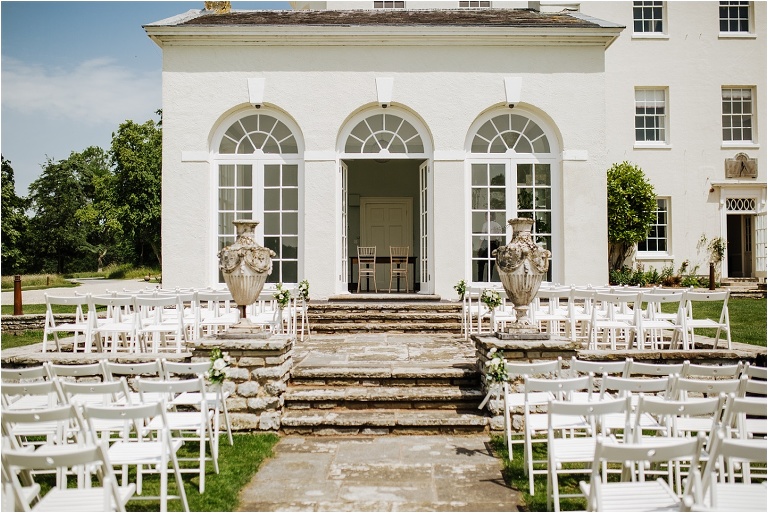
<point x="711" y="276"/>
<point x="17" y="309"/>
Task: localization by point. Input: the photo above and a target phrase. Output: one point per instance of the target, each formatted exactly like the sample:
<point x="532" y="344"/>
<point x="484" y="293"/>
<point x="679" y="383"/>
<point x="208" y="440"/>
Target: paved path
<point x="380" y="473"/>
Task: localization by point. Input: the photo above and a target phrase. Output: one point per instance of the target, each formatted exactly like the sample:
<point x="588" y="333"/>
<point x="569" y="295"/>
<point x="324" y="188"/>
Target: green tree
<point x="14" y="223"/>
<point x="136" y="154"/>
<point x="631" y="211"/>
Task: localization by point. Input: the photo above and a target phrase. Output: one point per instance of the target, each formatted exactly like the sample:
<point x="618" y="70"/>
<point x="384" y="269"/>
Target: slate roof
<point x="426" y="17"/>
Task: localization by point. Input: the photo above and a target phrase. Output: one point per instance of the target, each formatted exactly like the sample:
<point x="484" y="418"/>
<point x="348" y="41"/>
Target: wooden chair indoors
<point x="398" y="265"/>
<point x="366" y="266"/>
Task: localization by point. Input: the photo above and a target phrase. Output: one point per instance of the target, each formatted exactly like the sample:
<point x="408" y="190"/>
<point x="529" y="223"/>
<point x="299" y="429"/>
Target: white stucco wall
<point x="321" y="87"/>
<point x="694" y="62"/>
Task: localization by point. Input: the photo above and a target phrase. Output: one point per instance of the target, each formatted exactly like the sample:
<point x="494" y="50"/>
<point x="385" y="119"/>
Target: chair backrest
<point x="399" y="254"/>
<point x="561" y="389"/>
<point x="171" y="388"/>
<point x="112" y="369"/>
<point x="629" y="454"/>
<point x="722" y="449"/>
<point x="756" y="372"/>
<point x="85" y="370"/>
<point x="668" y="411"/>
<point x="692" y="296"/>
<point x="108" y="392"/>
<point x="655" y="369"/>
<point x="712" y="371"/>
<point x="756" y="387"/>
<point x="58" y="421"/>
<point x="592" y="411"/>
<point x="184" y="369"/>
<point x="579" y="367"/>
<point x="708" y="387"/>
<point x="614" y="303"/>
<point x="738" y="409"/>
<point x="44" y="394"/>
<point x="366" y="254"/>
<point x="551" y="368"/>
<point x="39" y="373"/>
<point x="629" y="386"/>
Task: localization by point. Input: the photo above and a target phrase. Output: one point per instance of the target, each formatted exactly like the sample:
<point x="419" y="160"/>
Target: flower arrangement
<point x="283" y="296"/>
<point x="219" y="365"/>
<point x="497" y="367"/>
<point x="461" y="289"/>
<point x="490" y="298"/>
<point x="304" y="290"/>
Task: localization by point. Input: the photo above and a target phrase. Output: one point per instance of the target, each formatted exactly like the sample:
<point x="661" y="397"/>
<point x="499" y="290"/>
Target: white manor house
<point x="341" y="125"/>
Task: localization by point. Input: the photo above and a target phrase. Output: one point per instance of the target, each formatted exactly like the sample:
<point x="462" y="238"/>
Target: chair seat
<point x="741" y="496"/>
<point x="194" y="398"/>
<point x="637" y="496"/>
<point x="86" y="499"/>
<point x="144" y="453"/>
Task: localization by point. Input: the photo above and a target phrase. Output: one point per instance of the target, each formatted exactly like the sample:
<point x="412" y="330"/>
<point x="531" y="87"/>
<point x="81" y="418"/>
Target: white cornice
<point x="380" y="36"/>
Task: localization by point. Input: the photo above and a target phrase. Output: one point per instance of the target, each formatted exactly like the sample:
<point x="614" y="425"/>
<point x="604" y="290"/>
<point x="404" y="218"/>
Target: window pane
<point x="271" y="223"/>
<point x="273" y="243"/>
<point x="497" y="174"/>
<point x="290" y="175"/>
<point x="244" y="199"/>
<point x="272" y="199"/>
<point x="272" y="175"/>
<point x="479" y="198"/>
<point x="291" y="223"/>
<point x="479" y="174"/>
<point x="290" y="248"/>
<point x="244" y="176"/>
<point x="524" y="174"/>
<point x="290" y="272"/>
<point x="226" y="199"/>
<point x="290" y="199"/>
<point x="227" y="176"/>
<point x="478" y="221"/>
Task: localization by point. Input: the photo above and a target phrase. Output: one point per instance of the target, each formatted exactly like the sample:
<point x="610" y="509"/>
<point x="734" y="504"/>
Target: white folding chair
<point x="536" y="423"/>
<point x="216" y="398"/>
<point x="37" y="374"/>
<point x="118" y="331"/>
<point x="722" y="325"/>
<point x="188" y="425"/>
<point x="76" y="372"/>
<point x="652" y="326"/>
<point x="642" y="369"/>
<point x="609" y="323"/>
<point x="58" y="425"/>
<point x="132" y="372"/>
<point x="80" y="327"/>
<point x="31" y="396"/>
<point x="613" y="386"/>
<point x="217" y="312"/>
<point x="108" y="496"/>
<point x="23" y="374"/>
<point x="162" y="323"/>
<point x="633" y="492"/>
<point x="574" y="454"/>
<point x="149" y="449"/>
<point x="718" y="488"/>
<point x="514" y="400"/>
<point x="552" y="317"/>
<point x="698" y="371"/>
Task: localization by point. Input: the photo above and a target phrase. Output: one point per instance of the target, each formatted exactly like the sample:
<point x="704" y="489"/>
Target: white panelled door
<point x="386" y="222"/>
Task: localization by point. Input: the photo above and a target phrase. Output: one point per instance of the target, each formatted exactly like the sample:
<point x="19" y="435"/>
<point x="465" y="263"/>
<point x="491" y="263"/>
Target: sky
<point x="71" y="72"/>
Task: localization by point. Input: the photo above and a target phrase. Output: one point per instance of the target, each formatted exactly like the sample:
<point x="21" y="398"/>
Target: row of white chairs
<point x="532" y="385"/>
<point x="34" y="399"/>
<point x="156" y="320"/>
<point x="608" y="317"/>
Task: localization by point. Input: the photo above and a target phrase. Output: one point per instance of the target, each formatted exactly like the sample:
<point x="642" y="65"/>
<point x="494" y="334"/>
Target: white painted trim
<point x="195" y="156"/>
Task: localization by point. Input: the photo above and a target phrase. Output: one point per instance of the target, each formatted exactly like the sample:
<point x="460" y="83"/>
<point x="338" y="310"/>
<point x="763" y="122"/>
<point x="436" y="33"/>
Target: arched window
<point x="384" y="134"/>
<point x="258" y="173"/>
<point x="510" y="133"/>
<point x="511" y="164"/>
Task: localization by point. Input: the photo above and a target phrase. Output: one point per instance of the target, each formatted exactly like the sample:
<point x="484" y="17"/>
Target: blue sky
<point x="71" y="72"/>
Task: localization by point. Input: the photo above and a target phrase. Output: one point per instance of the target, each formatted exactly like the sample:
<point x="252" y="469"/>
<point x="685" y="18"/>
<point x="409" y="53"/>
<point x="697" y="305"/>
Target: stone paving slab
<point x="371" y="473"/>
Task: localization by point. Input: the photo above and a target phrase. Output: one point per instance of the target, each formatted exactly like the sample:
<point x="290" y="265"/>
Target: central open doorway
<point x="386" y="206"/>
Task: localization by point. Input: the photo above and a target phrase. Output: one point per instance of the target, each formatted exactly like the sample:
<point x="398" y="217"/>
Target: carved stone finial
<point x="218" y="7"/>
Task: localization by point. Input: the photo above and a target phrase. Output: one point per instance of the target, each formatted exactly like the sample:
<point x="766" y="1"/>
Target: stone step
<point x="383" y="421"/>
<point x="380" y="316"/>
<point x="386" y="327"/>
<point x="385" y="375"/>
<point x="362" y="397"/>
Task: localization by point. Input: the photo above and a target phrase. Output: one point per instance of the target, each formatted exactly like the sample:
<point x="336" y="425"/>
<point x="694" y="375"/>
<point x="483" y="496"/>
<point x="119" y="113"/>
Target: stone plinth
<point x="257" y="378"/>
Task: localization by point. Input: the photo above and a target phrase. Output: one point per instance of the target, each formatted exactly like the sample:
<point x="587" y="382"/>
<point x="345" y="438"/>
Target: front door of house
<point x="386" y="222"/>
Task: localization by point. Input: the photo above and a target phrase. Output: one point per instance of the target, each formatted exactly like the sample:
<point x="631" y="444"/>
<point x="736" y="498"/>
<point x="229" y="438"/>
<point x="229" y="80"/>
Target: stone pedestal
<point x="257" y="377"/>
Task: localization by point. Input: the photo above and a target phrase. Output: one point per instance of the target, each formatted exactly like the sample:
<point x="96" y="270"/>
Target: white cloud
<point x="98" y="91"/>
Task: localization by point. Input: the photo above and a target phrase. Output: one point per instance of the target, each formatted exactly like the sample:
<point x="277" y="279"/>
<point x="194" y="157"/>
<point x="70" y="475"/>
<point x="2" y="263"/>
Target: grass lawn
<point x="748" y="318"/>
<point x="237" y="465"/>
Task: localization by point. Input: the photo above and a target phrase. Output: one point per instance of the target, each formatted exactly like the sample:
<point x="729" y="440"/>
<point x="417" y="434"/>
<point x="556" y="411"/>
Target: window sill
<point x="654" y="256"/>
<point x="649" y="146"/>
<point x="737" y="35"/>
<point x="642" y="35"/>
<point x="739" y="146"/>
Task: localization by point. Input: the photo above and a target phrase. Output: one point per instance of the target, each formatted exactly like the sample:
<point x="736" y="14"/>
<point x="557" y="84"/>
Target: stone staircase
<point x="385" y="316"/>
<point x="384" y="393"/>
<point x="745" y="287"/>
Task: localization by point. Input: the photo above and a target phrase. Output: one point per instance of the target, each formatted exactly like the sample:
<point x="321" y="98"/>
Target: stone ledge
<point x="383" y="394"/>
<point x="273" y="343"/>
<point x="384" y="418"/>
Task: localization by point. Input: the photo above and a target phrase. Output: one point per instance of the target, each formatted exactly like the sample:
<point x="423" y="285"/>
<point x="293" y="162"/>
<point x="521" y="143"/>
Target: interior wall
<point x="393" y="179"/>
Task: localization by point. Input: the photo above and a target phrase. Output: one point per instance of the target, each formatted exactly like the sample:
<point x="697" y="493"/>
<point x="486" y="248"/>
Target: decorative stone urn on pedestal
<point x="522" y="266"/>
<point x="245" y="266"/>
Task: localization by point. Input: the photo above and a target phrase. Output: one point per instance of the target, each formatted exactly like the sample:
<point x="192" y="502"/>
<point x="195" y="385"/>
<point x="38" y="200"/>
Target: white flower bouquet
<point x="304" y="290"/>
<point x="490" y="298"/>
<point x="217" y="372"/>
<point x="283" y="296"/>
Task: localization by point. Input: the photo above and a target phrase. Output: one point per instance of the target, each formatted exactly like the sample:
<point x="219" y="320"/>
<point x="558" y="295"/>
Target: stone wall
<point x="30" y="322"/>
<point x="257" y="378"/>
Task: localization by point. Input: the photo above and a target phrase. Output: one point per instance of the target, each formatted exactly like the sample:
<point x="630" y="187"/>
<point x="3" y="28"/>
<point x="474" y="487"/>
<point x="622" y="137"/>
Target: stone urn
<point x="245" y="266"/>
<point x="522" y="266"/>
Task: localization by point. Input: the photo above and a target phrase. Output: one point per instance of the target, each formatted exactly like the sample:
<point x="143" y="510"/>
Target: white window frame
<point x="474" y="4"/>
<point x="258" y="160"/>
<point x="511" y="160"/>
<point x="650" y="34"/>
<point x="749" y="33"/>
<point x="659" y="254"/>
<point x="388" y="4"/>
<point x="753" y="118"/>
<point x="664" y="126"/>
